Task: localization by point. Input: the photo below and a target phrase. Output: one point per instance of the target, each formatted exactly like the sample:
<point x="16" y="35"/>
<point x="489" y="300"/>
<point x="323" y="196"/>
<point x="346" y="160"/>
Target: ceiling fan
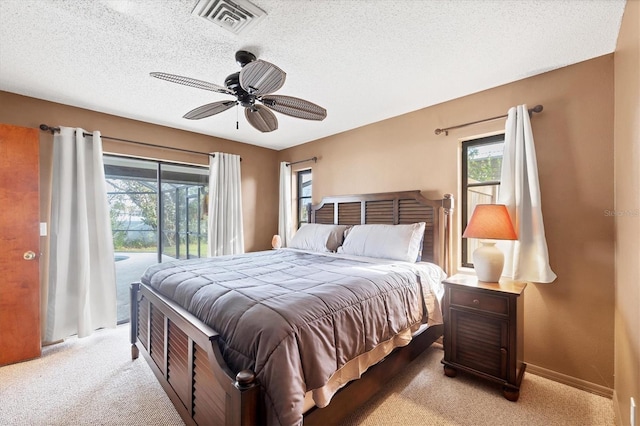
<point x="252" y="86"/>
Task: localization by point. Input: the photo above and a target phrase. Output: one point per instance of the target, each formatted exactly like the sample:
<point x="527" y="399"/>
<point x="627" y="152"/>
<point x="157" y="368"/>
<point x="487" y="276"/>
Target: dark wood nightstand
<point x="483" y="325"/>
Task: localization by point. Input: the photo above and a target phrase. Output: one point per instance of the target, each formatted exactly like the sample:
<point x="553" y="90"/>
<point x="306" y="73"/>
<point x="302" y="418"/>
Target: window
<point x="158" y="213"/>
<point x="304" y="195"/>
<point x="481" y="166"/>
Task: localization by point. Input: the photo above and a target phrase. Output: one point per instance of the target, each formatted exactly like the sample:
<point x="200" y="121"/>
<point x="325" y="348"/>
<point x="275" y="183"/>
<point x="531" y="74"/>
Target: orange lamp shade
<point x="490" y="221"/>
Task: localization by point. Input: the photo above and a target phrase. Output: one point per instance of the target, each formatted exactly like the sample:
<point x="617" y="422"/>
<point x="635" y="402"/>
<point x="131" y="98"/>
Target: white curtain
<point x="82" y="277"/>
<point x="284" y="216"/>
<point x="225" y="205"/>
<point x="526" y="259"/>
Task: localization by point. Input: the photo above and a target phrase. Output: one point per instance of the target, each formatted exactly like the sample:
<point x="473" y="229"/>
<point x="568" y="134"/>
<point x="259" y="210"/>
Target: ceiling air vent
<point x="234" y="15"/>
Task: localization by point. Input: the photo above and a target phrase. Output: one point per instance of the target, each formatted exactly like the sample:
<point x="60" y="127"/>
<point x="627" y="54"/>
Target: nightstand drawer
<point x="481" y="301"/>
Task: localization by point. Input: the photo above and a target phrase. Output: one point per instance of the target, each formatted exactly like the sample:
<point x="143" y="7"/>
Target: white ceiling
<point x="364" y="61"/>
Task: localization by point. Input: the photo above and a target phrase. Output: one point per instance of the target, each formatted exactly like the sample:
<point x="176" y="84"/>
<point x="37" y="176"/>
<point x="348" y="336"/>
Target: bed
<point x="271" y="337"/>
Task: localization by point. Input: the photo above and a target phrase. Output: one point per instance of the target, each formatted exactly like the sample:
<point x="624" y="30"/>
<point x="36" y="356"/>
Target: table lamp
<point x="489" y="222"/>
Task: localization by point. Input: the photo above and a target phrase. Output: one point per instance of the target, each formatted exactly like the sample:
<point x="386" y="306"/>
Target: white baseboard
<point x="571" y="381"/>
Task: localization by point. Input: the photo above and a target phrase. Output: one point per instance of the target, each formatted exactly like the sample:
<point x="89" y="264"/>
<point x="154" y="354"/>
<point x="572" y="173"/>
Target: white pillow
<point x="318" y="237"/>
<point x="395" y="242"/>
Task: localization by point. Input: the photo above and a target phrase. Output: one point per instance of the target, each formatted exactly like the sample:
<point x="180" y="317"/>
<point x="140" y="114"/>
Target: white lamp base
<point x="488" y="262"/>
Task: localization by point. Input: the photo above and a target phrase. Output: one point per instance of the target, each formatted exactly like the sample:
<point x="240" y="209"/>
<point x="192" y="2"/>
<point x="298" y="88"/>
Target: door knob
<point x="29" y="255"/>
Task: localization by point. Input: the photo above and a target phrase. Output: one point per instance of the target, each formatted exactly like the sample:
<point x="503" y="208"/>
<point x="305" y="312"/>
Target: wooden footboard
<point x="184" y="355"/>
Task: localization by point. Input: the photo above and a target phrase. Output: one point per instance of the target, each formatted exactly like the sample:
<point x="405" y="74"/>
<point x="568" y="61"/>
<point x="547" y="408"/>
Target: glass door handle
<point x="29" y="255"/>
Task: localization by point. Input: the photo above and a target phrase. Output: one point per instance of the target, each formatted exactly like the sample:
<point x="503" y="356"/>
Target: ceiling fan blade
<point x="261" y="118"/>
<point x="261" y="77"/>
<point x="209" y="109"/>
<point x="295" y="107"/>
<point x="192" y="82"/>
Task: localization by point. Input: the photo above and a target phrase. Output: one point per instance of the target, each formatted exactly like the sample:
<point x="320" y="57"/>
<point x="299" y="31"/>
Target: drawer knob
<point x="476" y="302"/>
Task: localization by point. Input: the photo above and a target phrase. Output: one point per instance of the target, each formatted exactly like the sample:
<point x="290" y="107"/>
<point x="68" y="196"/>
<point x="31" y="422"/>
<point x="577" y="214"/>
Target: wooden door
<point x="19" y="244"/>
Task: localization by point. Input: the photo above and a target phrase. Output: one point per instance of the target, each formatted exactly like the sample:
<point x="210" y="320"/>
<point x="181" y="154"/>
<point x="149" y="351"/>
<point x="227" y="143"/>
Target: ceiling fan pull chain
<point x="237" y="117"/>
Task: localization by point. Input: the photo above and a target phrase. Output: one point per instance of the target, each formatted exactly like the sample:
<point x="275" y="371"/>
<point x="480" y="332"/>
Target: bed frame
<point x="183" y="351"/>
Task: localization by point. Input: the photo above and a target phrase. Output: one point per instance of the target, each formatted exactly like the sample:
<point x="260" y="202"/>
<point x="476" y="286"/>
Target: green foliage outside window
<point x="483" y="169"/>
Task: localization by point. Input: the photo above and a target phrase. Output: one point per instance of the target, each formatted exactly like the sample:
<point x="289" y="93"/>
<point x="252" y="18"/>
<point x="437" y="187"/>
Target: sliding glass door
<point x="158" y="213"/>
<point x="184" y="209"/>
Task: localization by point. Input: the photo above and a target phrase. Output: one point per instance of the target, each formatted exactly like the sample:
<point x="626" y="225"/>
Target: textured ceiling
<point x="364" y="61"/>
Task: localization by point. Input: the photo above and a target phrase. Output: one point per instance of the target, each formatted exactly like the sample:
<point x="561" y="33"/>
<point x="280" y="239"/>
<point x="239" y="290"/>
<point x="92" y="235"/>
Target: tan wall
<point x="569" y="323"/>
<point x="627" y="204"/>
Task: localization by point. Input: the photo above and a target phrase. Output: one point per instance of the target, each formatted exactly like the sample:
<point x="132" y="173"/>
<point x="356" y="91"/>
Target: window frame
<point x="465" y="257"/>
<point x="299" y="197"/>
<point x="159" y="176"/>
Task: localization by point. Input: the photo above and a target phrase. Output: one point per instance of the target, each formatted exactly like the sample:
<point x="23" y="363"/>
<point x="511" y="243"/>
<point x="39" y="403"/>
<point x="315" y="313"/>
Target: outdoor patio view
<point x="158" y="213"/>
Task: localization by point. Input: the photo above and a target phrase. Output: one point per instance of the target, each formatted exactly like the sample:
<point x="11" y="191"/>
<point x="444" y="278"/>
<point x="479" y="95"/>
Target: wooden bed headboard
<point x="395" y="208"/>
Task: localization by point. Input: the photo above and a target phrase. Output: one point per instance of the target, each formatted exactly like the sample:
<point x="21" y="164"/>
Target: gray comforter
<point x="294" y="317"/>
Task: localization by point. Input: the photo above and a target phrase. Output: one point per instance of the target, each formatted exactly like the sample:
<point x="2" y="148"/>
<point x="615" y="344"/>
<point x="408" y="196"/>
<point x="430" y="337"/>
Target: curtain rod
<point x="537" y="108"/>
<point x="46" y="128"/>
<point x="314" y="159"/>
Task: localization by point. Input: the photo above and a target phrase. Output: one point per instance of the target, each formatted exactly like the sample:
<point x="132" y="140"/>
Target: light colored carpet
<point x="92" y="381"/>
<point x="423" y="395"/>
<point x="89" y="381"/>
